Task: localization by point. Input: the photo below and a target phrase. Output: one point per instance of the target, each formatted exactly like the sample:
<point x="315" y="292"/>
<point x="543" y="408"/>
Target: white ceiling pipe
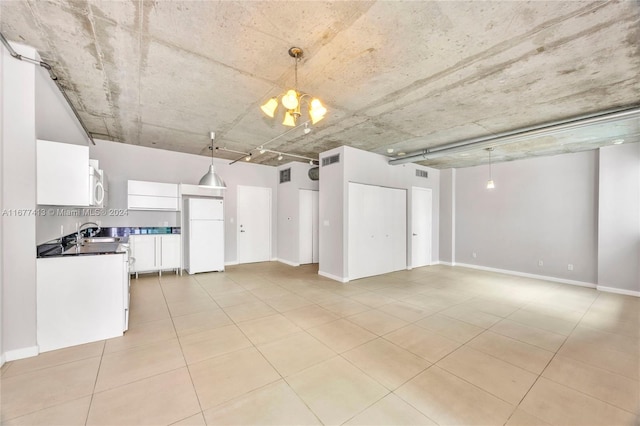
<point x="519" y="134"/>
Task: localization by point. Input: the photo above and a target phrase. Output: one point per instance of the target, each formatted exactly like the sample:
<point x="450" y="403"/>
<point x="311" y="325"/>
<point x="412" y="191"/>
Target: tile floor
<point x="272" y="344"/>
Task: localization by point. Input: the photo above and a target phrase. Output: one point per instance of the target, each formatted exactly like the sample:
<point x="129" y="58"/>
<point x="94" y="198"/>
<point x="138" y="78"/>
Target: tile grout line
<point x="181" y="349"/>
<point x="551" y="360"/>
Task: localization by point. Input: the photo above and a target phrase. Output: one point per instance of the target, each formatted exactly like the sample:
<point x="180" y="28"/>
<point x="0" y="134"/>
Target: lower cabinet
<point x="81" y="299"/>
<point x="155" y="253"/>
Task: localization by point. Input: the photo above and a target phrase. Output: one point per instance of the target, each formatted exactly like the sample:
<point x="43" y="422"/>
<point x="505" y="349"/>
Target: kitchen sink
<point x="93" y="240"/>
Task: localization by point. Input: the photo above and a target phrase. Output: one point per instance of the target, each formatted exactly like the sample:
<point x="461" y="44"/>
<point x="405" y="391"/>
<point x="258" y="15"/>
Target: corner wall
<point x="542" y="209"/>
<point x="367" y="168"/>
<point x="289" y="211"/>
<point x="619" y="219"/>
<point x="18" y="170"/>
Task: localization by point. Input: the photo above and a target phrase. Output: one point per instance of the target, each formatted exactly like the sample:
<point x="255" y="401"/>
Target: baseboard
<point x="445" y="263"/>
<point x="286" y="262"/>
<point x="233" y="262"/>
<point x="618" y="291"/>
<point x="333" y="277"/>
<point x="21" y="353"/>
<point x="528" y="275"/>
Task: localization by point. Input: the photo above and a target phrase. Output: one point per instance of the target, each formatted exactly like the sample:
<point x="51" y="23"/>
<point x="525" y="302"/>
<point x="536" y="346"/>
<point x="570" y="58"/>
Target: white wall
<point x="619" y="218"/>
<point x="289" y="211"/>
<point x="18" y="192"/>
<point x="367" y="168"/>
<point x="2" y="56"/>
<point x="447" y="217"/>
<point x="541" y="209"/>
<point x="122" y="162"/>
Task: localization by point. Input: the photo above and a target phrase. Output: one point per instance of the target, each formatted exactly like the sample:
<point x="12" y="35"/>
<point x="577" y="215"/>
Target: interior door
<point x="254" y="224"/>
<point x="421" y="232"/>
<point x="308" y="227"/>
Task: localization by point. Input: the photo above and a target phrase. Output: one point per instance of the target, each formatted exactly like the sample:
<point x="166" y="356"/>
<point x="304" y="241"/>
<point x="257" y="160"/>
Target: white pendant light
<point x="211" y="178"/>
<point x="490" y="184"/>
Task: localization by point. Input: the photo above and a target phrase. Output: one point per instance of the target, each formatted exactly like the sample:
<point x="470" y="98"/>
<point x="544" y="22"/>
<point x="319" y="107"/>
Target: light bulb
<point x="316" y="111"/>
<point x="307" y="130"/>
<point x="262" y="150"/>
<point x="269" y="107"/>
<point x="248" y="157"/>
<point x="311" y="162"/>
<point x="279" y="157"/>
<point x="490" y="184"/>
<point x="290" y="99"/>
<point x="289" y="119"/>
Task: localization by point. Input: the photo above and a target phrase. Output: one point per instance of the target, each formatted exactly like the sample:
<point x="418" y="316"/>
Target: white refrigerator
<point x="205" y="235"/>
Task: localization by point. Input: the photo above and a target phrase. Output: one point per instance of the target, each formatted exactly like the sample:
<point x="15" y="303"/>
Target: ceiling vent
<point x="330" y="160"/>
<point x="422" y="173"/>
<point x="285" y="175"/>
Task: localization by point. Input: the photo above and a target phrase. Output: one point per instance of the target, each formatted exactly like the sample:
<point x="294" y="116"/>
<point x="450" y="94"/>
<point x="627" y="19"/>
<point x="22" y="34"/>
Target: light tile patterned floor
<point x="272" y="344"/>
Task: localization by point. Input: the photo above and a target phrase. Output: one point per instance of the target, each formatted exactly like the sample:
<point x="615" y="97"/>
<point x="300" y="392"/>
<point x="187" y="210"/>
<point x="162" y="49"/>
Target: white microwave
<point x="96" y="188"/>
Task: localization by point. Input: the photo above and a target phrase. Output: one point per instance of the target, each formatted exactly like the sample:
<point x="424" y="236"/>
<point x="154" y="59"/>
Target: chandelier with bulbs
<point x="292" y="100"/>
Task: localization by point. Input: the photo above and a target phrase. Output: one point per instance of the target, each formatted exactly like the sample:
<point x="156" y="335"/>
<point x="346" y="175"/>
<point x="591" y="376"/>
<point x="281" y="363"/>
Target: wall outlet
<point x="474" y="255"/>
<point x="540" y="263"/>
<point x="570" y="267"/>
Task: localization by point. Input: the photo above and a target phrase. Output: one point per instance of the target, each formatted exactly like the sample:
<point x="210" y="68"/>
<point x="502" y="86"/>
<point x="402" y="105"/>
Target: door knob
<point x="242" y="230"/>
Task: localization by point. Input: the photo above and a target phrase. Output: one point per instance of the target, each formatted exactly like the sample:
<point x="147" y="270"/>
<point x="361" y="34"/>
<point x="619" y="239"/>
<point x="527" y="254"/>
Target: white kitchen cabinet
<point x="81" y="299"/>
<point x="142" y="195"/>
<point x="155" y="253"/>
<point x="62" y="174"/>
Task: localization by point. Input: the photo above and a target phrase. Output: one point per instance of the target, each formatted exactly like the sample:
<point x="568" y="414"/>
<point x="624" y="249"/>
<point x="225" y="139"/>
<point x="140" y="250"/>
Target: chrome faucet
<point x="79" y="232"/>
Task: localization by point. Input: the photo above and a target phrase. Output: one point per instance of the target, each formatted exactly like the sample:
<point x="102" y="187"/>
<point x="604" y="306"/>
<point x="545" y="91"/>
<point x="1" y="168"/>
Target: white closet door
<point x="377" y="239"/>
<point x="254" y="224"/>
<point x="308" y="227"/>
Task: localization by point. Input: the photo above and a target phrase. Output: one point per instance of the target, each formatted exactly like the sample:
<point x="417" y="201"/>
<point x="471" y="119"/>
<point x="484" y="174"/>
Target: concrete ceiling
<point x="393" y="74"/>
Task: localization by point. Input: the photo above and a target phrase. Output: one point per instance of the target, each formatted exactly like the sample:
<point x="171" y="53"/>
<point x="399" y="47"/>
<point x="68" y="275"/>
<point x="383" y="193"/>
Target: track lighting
<point x="279" y="157"/>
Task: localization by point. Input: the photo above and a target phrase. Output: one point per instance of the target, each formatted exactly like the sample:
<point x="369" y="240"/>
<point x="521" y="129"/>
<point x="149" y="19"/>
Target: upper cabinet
<point x="153" y="196"/>
<point x="62" y="174"/>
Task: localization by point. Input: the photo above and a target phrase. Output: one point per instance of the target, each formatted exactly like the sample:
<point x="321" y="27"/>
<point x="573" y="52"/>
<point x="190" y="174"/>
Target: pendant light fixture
<point x="211" y="179"/>
<point x="490" y="184"/>
<point x="292" y="99"/>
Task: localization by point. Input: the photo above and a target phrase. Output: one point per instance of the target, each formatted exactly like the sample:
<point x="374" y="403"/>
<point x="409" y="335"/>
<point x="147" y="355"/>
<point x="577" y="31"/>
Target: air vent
<point x="422" y="173"/>
<point x="330" y="160"/>
<point x="285" y="175"/>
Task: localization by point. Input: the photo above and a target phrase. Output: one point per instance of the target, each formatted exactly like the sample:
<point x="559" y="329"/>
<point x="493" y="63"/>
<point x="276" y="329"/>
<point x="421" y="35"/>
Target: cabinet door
<point x="144" y="253"/>
<point x="169" y="251"/>
<point x="62" y="174"/>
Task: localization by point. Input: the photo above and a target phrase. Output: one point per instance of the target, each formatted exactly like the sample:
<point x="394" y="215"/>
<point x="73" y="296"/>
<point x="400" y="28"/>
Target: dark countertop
<point x="66" y="246"/>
